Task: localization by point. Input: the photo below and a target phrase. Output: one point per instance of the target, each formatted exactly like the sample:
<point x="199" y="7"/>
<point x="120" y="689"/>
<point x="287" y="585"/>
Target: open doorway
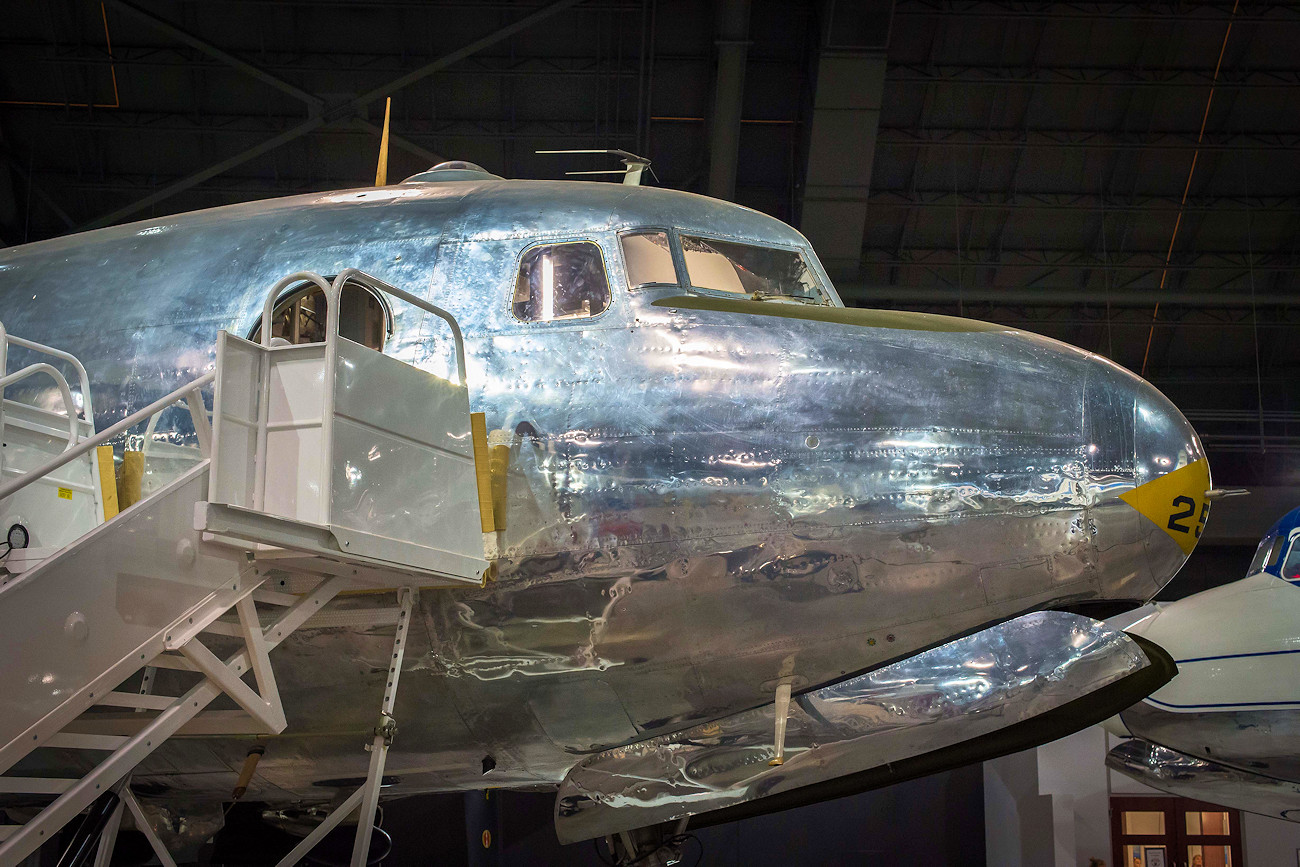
<point x="300" y="317"/>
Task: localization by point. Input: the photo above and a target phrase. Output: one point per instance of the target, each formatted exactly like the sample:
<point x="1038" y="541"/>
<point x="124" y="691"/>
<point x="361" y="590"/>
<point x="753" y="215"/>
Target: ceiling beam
<point x="28" y="52"/>
<point x="446" y="60"/>
<point x="1090" y="76"/>
<point x="314" y="103"/>
<point x="951" y="137"/>
<point x="401" y="142"/>
<point x="1232" y="260"/>
<point x="862" y="293"/>
<point x="167" y="124"/>
<point x="728" y="97"/>
<point x="1071" y="201"/>
<point x="177" y="186"/>
<point x="1208" y="11"/>
<point x="344" y="112"/>
<point x="845" y="114"/>
<point x="34" y="188"/>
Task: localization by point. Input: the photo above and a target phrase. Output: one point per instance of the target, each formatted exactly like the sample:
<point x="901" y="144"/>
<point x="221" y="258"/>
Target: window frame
<point x="674" y="251"/>
<point x="569" y="321"/>
<point x="828" y="300"/>
<point x="1284" y="557"/>
<point x="254" y="333"/>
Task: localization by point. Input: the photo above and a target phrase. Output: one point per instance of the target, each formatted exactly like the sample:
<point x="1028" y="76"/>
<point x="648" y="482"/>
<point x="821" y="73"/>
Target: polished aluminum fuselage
<point x="702" y="498"/>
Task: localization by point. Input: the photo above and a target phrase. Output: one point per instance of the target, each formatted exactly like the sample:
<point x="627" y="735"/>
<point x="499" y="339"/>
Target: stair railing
<point x="190" y="392"/>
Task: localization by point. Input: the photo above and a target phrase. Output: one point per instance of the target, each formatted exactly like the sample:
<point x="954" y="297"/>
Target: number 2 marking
<point x="1190" y="510"/>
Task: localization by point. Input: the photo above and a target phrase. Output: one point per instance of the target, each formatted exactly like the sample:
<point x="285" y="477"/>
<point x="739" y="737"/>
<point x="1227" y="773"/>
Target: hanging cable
<point x="1254" y="312"/>
<point x="1188" y="186"/>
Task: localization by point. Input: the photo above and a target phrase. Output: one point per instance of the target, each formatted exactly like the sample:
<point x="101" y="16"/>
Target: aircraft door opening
<point x="299" y="318"/>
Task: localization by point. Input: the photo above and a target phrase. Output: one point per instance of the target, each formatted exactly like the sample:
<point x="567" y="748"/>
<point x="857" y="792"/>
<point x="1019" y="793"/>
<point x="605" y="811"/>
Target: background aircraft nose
<point x="1167" y="475"/>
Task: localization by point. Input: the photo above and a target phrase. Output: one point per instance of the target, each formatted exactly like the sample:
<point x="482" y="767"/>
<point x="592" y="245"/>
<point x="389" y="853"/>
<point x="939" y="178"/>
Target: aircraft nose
<point x="1161" y="484"/>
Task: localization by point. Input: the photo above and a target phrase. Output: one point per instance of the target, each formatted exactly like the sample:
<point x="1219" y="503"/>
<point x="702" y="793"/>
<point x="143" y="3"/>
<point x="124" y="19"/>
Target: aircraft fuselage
<point x="705" y="494"/>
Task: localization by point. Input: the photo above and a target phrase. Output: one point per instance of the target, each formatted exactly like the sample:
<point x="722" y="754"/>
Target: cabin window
<point x="561" y="281"/>
<point x="746" y="269"/>
<point x="649" y="259"/>
<point x="300" y="317"/>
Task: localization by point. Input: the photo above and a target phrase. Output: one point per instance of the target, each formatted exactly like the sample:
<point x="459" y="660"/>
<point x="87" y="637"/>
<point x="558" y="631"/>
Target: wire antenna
<point x="633" y="165"/>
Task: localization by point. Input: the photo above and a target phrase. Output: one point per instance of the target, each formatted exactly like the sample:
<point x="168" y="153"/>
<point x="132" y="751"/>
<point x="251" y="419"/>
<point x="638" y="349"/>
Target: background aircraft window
<point x="649" y="259"/>
<point x="1257" y="562"/>
<point x="1291" y="568"/>
<point x="300" y="317"/>
<point x="747" y="269"/>
<point x="561" y="281"/>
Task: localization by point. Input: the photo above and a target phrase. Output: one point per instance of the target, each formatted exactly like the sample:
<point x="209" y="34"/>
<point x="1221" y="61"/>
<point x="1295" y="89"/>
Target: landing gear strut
<point x="656" y="846"/>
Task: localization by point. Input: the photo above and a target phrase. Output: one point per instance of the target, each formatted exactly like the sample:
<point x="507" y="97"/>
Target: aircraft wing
<point x="1020" y="683"/>
<point x="1205" y="780"/>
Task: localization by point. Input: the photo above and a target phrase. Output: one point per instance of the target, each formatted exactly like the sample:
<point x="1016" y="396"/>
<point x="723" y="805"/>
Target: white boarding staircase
<point x="329" y="462"/>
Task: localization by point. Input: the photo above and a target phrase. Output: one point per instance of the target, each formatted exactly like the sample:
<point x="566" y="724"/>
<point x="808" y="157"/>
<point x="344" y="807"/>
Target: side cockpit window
<point x="300" y="317"/>
<point x="561" y="281"/>
<point x="1269" y="553"/>
<point x="649" y="259"/>
<point x="1261" y="555"/>
<point x="1291" y="566"/>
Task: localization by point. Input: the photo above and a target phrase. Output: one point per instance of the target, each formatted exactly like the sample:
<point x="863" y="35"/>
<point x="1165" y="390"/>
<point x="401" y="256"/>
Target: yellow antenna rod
<point x="381" y="173"/>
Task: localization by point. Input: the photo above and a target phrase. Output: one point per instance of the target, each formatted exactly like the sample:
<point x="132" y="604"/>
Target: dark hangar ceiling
<point x="1060" y="167"/>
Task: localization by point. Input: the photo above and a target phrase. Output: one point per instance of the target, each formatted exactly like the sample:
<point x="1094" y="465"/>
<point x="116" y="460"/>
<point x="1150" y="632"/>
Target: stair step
<point x="225" y="627"/>
<point x="172" y="661"/>
<point x="73" y="741"/>
<point x="134" y="699"/>
<point x="35" y="785"/>
<point x="275" y="597"/>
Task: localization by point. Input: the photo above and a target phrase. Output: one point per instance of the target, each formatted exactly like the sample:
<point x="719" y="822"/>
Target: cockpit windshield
<point x="745" y="269"/>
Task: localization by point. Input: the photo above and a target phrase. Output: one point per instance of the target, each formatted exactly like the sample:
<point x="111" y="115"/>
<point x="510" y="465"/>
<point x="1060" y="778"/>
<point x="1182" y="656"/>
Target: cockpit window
<point x="1267" y="554"/>
<point x="561" y="281"/>
<point x="649" y="259"/>
<point x="1257" y="562"/>
<point x="300" y="317"/>
<point x="1291" y="568"/>
<point x="724" y="266"/>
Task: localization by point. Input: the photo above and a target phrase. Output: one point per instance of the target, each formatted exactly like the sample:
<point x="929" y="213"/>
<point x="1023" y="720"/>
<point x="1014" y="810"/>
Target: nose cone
<point x="1158" y="488"/>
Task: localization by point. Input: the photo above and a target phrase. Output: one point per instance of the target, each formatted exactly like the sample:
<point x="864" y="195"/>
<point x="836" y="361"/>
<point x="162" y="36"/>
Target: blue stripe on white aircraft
<point x="1227" y="728"/>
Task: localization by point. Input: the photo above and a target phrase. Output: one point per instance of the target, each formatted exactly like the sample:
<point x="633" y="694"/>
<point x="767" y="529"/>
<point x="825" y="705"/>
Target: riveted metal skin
<point x="702" y="498"/>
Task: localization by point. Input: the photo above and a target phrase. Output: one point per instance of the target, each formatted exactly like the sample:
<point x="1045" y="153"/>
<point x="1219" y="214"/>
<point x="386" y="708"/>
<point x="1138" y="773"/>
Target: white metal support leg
<point x="142" y="824"/>
<point x="367" y="797"/>
<point x="384" y="731"/>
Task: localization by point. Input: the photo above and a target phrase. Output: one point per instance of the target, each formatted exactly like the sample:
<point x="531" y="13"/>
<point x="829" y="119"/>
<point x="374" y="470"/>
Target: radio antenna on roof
<point x="633" y="165"/>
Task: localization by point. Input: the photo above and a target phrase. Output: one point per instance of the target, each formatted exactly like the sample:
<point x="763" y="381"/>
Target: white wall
<point x="1017" y="819"/>
<point x="1051" y="806"/>
<point x="1270" y="842"/>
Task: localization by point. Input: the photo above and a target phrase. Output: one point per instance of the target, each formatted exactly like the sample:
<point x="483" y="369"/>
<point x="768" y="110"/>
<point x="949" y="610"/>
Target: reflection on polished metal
<point x="1190" y="777"/>
<point x="701" y="496"/>
<point x="987" y="681"/>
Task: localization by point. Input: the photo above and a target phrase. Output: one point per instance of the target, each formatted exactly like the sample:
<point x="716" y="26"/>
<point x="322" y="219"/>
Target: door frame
<point x="1175" y="839"/>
